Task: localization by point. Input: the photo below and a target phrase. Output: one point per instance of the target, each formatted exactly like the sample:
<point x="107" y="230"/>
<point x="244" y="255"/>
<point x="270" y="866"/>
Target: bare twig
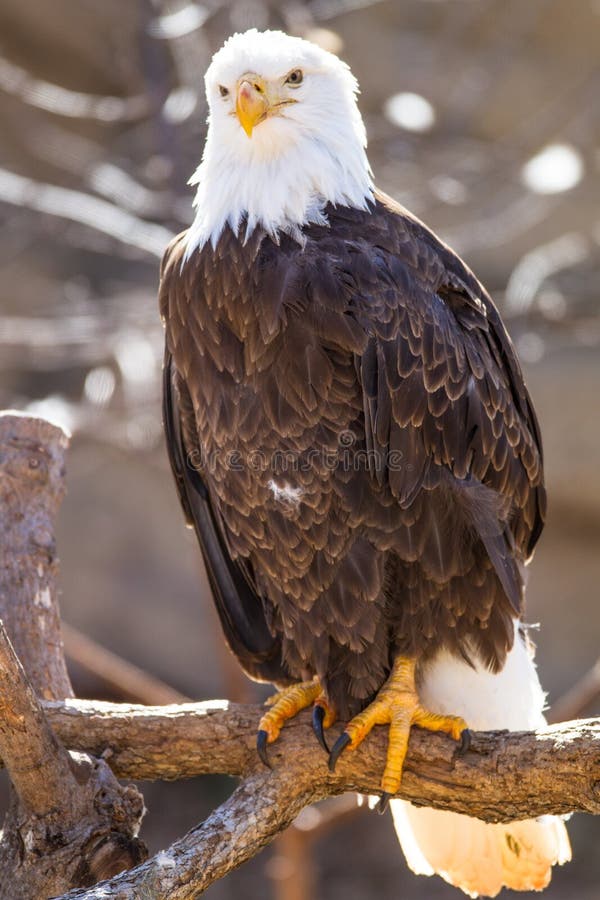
<point x="120" y="675"/>
<point x="85" y="209"/>
<point x="315" y="823"/>
<point x="292" y="867"/>
<point x="576" y="700"/>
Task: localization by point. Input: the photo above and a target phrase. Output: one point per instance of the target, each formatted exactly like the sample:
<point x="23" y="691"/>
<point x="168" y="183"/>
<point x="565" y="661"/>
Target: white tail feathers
<point x="475" y="856"/>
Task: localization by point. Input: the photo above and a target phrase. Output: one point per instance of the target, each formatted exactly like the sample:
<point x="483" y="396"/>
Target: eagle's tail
<point x="477" y="857"/>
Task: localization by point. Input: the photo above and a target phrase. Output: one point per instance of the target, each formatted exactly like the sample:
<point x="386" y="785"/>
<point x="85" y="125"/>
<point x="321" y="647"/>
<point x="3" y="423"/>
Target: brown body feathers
<point x="354" y="444"/>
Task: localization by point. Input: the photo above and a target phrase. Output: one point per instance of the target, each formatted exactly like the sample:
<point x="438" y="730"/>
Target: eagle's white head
<point x="285" y="138"/>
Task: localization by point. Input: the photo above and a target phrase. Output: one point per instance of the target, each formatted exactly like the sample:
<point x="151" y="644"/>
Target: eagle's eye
<point x="224" y="92"/>
<point x="295" y="77"/>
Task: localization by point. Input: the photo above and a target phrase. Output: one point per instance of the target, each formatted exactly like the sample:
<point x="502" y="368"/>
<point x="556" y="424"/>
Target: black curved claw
<point x="465" y="741"/>
<point x="382" y="803"/>
<point x="261" y="748"/>
<point x="318" y="716"/>
<point x="340" y="745"/>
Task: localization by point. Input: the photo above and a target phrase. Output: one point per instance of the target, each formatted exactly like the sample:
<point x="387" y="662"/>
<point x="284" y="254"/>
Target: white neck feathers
<point x="279" y="189"/>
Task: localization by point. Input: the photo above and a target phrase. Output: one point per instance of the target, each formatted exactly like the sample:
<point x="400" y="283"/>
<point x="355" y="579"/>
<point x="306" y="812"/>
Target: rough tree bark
<point x="70" y="823"/>
<point x="504" y="776"/>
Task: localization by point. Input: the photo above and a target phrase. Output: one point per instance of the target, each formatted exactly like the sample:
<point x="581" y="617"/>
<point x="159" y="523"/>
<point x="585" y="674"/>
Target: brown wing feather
<point x="444" y="389"/>
<point x="236" y="596"/>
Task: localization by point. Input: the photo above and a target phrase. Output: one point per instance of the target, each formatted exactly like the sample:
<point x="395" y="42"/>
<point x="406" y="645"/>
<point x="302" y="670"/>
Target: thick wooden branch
<point x="40" y="768"/>
<point x="69" y="822"/>
<point x="32" y="486"/>
<point x="503" y="776"/>
<point x="262" y="806"/>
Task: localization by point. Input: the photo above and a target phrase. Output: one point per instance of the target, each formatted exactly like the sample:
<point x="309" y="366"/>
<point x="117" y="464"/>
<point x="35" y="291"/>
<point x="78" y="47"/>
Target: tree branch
<point x="69" y="822"/>
<point x="126" y="679"/>
<point x="259" y="809"/>
<point x="578" y="698"/>
<point x="39" y="767"/>
<point x="32" y="470"/>
<point x="504" y="775"/>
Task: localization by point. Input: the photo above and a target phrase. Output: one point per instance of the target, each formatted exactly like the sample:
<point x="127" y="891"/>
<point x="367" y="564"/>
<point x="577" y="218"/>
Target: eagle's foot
<point x="284" y="705"/>
<point x="397" y="705"/>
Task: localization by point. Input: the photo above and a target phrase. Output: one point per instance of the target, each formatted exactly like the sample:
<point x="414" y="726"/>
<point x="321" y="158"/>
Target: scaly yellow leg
<point x="284" y="705"/>
<point x="397" y="705"/>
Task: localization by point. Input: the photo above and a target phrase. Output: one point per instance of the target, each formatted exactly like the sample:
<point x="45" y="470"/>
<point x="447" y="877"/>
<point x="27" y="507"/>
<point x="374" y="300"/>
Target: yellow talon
<point x="285" y="704"/>
<point x="397" y="705"/>
<point x="329" y="715"/>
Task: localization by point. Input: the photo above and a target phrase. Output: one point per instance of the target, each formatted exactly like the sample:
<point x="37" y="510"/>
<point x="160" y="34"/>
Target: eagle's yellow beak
<point x="257" y="99"/>
<point x="252" y="102"/>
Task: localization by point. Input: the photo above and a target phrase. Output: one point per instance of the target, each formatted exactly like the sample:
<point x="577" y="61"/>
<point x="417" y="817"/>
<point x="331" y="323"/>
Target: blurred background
<point x="484" y="118"/>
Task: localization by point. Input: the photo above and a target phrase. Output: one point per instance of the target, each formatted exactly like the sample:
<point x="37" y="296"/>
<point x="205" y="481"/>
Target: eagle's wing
<point x="443" y="391"/>
<point x="236" y="596"/>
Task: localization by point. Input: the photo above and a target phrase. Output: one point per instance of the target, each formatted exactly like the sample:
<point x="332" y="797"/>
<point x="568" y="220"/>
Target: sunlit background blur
<point x="484" y="118"/>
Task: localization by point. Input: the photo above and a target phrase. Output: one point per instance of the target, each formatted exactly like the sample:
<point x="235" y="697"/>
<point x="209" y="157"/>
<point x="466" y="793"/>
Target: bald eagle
<point x="354" y="445"/>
